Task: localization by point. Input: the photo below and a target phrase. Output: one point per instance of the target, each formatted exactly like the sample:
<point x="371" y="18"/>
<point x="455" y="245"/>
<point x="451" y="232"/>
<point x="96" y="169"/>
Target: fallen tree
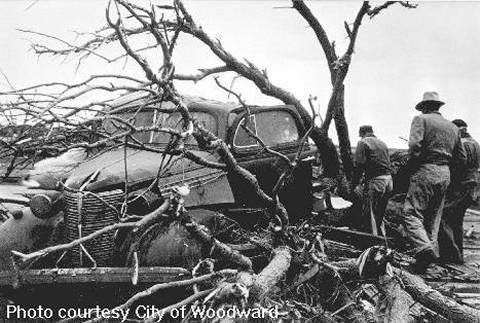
<point x="396" y="303"/>
<point x="263" y="283"/>
<point x="435" y="301"/>
<point x="295" y="268"/>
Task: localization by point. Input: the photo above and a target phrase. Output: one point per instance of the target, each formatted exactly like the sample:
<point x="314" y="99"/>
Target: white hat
<point x="430" y="98"/>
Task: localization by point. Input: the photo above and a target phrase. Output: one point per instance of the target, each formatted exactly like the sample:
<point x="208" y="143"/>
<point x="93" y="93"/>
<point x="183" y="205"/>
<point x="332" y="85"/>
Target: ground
<point x="461" y="282"/>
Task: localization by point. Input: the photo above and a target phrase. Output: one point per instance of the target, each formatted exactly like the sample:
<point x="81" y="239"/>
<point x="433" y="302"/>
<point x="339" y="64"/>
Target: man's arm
<point x="360" y="161"/>
<point x="417" y="133"/>
<point x="415" y="141"/>
<point x="459" y="158"/>
<point x="476" y="152"/>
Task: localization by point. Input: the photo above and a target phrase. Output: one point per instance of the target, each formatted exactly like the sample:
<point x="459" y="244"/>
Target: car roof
<point x="194" y="103"/>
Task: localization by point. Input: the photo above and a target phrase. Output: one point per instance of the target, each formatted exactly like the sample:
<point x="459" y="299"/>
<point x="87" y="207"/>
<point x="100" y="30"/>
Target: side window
<point x="276" y="127"/>
<point x="242" y="137"/>
<point x="273" y="127"/>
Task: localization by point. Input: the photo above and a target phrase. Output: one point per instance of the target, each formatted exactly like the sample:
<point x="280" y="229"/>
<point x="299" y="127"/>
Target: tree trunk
<point x="395" y="307"/>
<point x="342" y="133"/>
<point x="328" y="153"/>
<point x="262" y="284"/>
<point x="271" y="274"/>
<point x="435" y="301"/>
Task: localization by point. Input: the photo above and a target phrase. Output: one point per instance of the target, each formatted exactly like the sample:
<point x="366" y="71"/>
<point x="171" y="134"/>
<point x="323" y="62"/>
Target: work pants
<point x="377" y="191"/>
<point x="422" y="210"/>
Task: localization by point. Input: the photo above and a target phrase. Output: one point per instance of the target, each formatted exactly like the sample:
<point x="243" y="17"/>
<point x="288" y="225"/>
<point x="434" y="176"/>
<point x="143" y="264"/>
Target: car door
<point x="279" y="129"/>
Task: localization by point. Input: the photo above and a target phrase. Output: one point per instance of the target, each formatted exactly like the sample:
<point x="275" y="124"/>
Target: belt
<point x="382" y="177"/>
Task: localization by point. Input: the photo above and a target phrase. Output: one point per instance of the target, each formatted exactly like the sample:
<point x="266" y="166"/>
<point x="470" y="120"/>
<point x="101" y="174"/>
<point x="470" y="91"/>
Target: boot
<point x="423" y="259"/>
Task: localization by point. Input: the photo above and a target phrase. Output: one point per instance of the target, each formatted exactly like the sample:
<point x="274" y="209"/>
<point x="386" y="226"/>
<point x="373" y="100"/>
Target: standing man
<point x="434" y="144"/>
<point x="459" y="197"/>
<point x="373" y="160"/>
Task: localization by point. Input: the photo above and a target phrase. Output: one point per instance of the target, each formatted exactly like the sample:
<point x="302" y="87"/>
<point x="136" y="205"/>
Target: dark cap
<point x="459" y="123"/>
<point x="366" y="129"/>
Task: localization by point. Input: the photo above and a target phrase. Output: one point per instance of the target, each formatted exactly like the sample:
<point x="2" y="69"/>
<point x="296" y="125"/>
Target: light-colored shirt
<point x="435" y="140"/>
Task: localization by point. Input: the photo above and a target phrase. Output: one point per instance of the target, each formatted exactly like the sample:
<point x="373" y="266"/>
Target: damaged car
<point x="87" y="194"/>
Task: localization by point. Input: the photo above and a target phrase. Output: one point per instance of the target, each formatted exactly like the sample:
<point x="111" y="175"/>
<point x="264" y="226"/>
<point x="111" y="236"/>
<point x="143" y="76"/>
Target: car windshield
<point x="159" y="119"/>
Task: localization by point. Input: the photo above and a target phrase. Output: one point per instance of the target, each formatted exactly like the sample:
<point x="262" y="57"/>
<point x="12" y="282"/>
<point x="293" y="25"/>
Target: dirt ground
<point x="471" y="225"/>
<point x="462" y="282"/>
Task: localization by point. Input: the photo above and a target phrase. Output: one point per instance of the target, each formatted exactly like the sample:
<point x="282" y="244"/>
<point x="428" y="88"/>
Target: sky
<point x="399" y="54"/>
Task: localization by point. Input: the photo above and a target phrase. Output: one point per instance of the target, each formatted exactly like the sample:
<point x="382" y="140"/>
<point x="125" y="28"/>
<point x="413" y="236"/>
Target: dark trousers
<point x="450" y="236"/>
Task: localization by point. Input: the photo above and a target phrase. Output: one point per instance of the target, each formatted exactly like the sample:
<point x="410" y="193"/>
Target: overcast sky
<point x="399" y="55"/>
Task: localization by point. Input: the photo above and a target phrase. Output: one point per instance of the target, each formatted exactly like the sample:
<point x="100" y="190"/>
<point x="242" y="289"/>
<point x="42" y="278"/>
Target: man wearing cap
<point x="434" y="144"/>
<point x="459" y="197"/>
<point x="373" y="160"/>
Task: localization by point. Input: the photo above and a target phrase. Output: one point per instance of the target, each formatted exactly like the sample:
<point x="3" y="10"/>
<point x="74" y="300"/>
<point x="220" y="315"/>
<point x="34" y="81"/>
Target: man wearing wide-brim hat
<point x="429" y="100"/>
<point x="434" y="144"/>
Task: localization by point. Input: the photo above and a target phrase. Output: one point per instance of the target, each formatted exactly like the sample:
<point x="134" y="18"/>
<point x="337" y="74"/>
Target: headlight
<point x="44" y="206"/>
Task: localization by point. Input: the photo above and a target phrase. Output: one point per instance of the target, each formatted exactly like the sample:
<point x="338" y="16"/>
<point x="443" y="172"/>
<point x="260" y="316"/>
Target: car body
<point x="106" y="175"/>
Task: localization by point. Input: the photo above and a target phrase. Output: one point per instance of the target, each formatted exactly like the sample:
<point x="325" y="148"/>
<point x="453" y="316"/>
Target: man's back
<point x="373" y="153"/>
<point x="472" y="148"/>
<point x="434" y="139"/>
<point x="469" y="173"/>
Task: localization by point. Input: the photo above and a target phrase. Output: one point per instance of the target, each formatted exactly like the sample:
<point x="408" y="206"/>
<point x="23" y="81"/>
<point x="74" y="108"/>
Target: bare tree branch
<point x="376" y="10"/>
<point x="320" y="33"/>
<point x="204" y="72"/>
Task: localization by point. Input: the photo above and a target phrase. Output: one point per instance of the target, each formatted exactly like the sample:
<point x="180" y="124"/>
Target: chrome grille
<point x="93" y="214"/>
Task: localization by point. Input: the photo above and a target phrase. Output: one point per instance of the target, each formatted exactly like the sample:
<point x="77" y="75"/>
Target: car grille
<point x="93" y="214"/>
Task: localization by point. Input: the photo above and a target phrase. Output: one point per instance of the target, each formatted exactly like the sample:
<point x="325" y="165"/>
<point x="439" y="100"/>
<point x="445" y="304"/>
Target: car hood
<point x="141" y="168"/>
<point x="48" y="172"/>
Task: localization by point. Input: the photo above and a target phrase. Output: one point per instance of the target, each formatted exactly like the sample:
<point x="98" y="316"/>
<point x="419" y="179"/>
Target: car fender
<point x="25" y="234"/>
